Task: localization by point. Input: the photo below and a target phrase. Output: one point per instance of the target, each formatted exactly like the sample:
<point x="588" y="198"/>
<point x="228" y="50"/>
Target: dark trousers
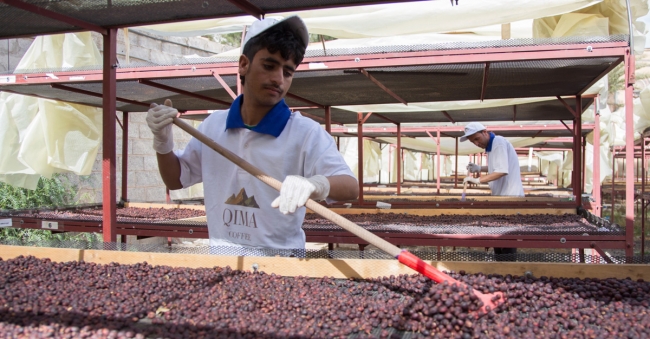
<point x="505" y="254"/>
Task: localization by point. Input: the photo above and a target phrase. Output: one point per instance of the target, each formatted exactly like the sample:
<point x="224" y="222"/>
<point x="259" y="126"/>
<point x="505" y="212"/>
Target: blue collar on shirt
<point x="273" y="122"/>
<point x="489" y="145"/>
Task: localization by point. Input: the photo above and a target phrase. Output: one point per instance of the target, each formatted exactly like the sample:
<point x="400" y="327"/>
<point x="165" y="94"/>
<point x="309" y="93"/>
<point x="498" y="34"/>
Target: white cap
<point x="294" y="22"/>
<point x="472" y="128"/>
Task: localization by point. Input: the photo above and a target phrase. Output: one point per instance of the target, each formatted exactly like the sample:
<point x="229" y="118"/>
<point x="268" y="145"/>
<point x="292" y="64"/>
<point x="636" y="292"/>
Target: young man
<point x="259" y="127"/>
<point x="503" y="175"/>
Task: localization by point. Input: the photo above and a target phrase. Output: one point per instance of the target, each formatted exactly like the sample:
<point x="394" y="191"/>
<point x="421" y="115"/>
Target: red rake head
<point x="490" y="301"/>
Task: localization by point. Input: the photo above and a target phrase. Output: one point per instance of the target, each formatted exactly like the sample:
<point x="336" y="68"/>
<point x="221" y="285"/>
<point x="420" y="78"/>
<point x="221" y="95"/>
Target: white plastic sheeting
<point x="448" y="145"/>
<point x="394" y="19"/>
<point x="41" y="137"/>
<point x="606" y="18"/>
<point x="371" y="157"/>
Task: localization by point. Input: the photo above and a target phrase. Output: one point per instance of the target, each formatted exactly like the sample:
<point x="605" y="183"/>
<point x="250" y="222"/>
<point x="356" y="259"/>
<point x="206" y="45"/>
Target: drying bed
<point x="397" y="223"/>
<point x="40" y="298"/>
<point x="124" y="214"/>
<point x="534" y="224"/>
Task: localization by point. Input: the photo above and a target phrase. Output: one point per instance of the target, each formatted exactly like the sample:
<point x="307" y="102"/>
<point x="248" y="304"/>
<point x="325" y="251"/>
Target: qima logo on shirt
<point x="242" y="199"/>
<point x="241" y="217"/>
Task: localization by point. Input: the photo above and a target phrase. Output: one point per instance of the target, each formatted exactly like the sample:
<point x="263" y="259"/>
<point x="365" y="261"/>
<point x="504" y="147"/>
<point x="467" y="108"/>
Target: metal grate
<point x="429" y="255"/>
<point x="543" y="78"/>
<point x="469" y="45"/>
<point x="313" y="53"/>
<point x="589" y="224"/>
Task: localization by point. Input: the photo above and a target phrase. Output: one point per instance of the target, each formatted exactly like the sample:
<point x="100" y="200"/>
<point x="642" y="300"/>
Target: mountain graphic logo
<point x="241" y="199"/>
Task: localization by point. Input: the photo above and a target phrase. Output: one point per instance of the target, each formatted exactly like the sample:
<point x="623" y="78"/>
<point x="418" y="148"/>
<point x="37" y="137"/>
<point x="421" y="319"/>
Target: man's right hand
<point x="159" y="119"/>
<point x="473" y="168"/>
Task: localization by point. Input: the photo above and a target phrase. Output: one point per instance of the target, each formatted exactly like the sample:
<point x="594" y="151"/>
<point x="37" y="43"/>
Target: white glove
<point x="159" y="119"/>
<point x="473" y="168"/>
<point x="471" y="180"/>
<point x="296" y="190"/>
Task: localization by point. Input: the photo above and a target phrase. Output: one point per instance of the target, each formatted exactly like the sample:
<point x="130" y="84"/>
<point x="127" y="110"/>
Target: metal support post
<point x="577" y="158"/>
<point x="613" y="195"/>
<point x="328" y="119"/>
<point x="595" y="187"/>
<point x="629" y="154"/>
<point x="125" y="155"/>
<point x="438" y="160"/>
<point x="643" y="204"/>
<point x="399" y="160"/>
<point x="360" y="153"/>
<point x="583" y="164"/>
<point x="109" y="189"/>
<point x="456" y="175"/>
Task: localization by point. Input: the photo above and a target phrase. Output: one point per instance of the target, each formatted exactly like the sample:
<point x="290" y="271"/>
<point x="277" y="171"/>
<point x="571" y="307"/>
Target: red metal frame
<point x="629" y="156"/>
<point x="109" y="89"/>
<point x="615" y="49"/>
<point x="180" y="91"/>
<point x="643" y="198"/>
<point x="595" y="191"/>
<point x="495" y="128"/>
<point x="486" y="70"/>
<point x="382" y="86"/>
<point x="97" y="95"/>
<point x="125" y="156"/>
<point x="109" y="75"/>
<point x="577" y="157"/>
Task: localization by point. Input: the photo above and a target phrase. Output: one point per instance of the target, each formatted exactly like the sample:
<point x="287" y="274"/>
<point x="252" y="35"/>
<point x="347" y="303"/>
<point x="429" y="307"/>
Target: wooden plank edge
<point x="453" y="211"/>
<point x="167" y="206"/>
<point x="54" y="254"/>
<point x="337" y="268"/>
<point x="475" y="197"/>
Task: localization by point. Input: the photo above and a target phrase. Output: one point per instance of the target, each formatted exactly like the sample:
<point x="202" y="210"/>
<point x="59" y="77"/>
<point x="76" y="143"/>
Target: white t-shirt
<point x="238" y="205"/>
<point x="502" y="158"/>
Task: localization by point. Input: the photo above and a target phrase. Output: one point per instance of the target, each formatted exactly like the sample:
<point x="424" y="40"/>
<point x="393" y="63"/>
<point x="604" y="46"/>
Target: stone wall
<point x="11" y="51"/>
<point x="144" y="183"/>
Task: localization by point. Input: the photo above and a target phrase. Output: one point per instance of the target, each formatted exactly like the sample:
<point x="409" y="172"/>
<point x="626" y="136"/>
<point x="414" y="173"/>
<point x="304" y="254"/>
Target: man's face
<point x="480" y="139"/>
<point x="268" y="77"/>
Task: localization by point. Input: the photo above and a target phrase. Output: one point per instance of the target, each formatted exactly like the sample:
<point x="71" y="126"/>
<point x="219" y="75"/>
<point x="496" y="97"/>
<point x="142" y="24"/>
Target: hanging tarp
<point x="41" y="137"/>
<point x="393" y="19"/>
<point x="609" y="17"/>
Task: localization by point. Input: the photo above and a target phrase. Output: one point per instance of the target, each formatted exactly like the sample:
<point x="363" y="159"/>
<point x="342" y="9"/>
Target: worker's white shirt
<point x="502" y="158"/>
<point x="238" y="205"/>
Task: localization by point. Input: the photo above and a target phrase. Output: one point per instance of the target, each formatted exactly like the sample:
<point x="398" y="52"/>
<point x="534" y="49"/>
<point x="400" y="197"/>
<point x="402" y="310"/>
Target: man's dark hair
<point x="279" y="38"/>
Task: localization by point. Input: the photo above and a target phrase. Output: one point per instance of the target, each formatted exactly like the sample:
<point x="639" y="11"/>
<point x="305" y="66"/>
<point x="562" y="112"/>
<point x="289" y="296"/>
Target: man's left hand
<point x="296" y="190"/>
<point x="471" y="180"/>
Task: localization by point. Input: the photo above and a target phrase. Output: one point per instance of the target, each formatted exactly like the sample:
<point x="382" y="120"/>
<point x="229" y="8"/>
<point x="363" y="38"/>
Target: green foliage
<point x="55" y="192"/>
<point x="41" y="237"/>
<point x="58" y="191"/>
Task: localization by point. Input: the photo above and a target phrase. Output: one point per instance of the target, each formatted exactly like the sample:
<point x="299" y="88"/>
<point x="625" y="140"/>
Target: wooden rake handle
<point x="404" y="257"/>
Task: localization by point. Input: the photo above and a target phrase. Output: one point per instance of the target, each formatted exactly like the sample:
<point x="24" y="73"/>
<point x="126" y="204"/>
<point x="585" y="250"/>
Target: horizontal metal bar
<point x="97" y="95"/>
<point x="343" y="62"/>
<point x="183" y="92"/>
<point x="494" y="128"/>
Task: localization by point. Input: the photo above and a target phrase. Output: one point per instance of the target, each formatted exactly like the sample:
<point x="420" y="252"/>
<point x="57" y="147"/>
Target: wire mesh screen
<point x="314" y="53"/>
<point x="582" y="224"/>
<point x="617" y="257"/>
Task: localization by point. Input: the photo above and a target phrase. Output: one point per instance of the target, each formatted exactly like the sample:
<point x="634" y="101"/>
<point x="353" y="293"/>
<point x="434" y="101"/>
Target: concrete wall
<point x="144" y="183"/>
<point x="145" y="48"/>
<point x="11" y="51"/>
